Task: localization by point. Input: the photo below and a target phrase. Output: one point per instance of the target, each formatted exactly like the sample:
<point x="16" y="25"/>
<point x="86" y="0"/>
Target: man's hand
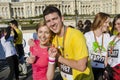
<point x="31" y="42"/>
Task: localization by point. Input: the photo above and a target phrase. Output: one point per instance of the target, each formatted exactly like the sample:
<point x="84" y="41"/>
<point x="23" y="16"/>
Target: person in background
<point x="10" y="53"/>
<point x="69" y="43"/>
<point x="19" y="47"/>
<point x="42" y="61"/>
<point x="114" y="50"/>
<point x="80" y="25"/>
<point x="97" y="41"/>
<point x="113" y="31"/>
<point x="87" y="26"/>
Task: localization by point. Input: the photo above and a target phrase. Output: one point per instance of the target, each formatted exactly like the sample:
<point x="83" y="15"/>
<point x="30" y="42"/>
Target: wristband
<point x="51" y="60"/>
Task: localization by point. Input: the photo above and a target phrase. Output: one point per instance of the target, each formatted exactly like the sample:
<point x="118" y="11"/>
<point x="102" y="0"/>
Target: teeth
<point x="54" y="27"/>
<point x="43" y="39"/>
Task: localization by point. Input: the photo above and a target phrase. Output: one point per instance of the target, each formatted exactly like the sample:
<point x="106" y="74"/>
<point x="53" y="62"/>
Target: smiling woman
<point x="114" y="50"/>
<point x="42" y="61"/>
<point x="97" y="41"/>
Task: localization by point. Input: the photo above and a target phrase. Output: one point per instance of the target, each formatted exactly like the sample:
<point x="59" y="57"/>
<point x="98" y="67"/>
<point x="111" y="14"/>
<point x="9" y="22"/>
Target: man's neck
<point x="62" y="31"/>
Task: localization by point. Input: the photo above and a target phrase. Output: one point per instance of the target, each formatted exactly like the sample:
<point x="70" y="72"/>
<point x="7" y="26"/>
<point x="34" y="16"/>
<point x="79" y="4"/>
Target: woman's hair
<point x="99" y="20"/>
<point x="41" y="23"/>
<point x="114" y="20"/>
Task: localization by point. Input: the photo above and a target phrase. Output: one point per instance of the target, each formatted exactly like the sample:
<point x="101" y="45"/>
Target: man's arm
<point x="15" y="35"/>
<point x="80" y="65"/>
<point x="8" y="33"/>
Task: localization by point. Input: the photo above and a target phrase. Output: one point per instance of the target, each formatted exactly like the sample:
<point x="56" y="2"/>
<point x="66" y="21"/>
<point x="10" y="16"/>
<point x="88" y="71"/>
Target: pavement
<point x="4" y="72"/>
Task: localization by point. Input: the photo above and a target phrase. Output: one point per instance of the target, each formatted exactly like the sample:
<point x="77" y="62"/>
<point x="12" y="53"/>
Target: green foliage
<point x="31" y="21"/>
<point x="4" y="22"/>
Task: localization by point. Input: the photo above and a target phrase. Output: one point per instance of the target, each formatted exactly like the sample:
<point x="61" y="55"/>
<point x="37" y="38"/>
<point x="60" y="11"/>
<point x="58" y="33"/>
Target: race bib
<point x="97" y="60"/>
<point x="114" y="53"/>
<point x="66" y="72"/>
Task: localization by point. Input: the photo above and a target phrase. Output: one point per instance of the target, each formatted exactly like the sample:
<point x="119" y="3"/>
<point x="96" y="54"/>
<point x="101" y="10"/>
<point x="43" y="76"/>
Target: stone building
<point x="31" y="8"/>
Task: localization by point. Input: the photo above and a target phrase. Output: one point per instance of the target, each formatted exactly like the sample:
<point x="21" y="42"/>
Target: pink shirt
<point x="41" y="63"/>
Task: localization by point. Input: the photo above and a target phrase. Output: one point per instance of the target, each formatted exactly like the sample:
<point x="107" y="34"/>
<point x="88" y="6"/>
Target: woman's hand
<point x="30" y="59"/>
<point x="52" y="51"/>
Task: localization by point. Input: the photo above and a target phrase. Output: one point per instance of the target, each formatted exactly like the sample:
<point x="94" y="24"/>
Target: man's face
<point x="54" y="22"/>
<point x="12" y="25"/>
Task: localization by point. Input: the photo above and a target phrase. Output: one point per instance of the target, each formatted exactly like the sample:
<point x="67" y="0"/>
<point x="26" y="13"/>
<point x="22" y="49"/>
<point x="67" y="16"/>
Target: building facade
<point x="31" y="8"/>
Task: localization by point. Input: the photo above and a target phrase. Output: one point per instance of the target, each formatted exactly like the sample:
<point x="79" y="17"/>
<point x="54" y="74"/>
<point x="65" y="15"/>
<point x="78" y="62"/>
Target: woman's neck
<point x="98" y="32"/>
<point x="44" y="45"/>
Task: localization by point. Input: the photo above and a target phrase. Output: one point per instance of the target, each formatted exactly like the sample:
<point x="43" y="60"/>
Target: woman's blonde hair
<point x="99" y="20"/>
<point x="41" y="23"/>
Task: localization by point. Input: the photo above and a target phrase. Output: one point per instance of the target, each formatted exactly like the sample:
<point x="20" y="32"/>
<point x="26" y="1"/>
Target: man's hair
<point x="51" y="9"/>
<point x="14" y="22"/>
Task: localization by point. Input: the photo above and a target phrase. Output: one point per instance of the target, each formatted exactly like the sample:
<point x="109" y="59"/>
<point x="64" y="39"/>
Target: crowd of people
<point x="90" y="52"/>
<point x="11" y="41"/>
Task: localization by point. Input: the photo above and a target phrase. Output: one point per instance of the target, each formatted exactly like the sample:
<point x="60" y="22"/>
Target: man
<point x="19" y="46"/>
<point x="74" y="62"/>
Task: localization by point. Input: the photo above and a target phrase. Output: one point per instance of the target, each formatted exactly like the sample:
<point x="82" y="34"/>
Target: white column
<point x="37" y="11"/>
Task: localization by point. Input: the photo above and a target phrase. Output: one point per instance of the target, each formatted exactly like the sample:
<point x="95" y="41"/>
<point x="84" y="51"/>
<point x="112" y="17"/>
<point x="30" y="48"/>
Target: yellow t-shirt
<point x="20" y="36"/>
<point x="74" y="48"/>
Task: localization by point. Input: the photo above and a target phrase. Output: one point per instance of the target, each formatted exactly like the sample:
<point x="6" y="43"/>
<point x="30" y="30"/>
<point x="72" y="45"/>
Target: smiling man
<point x="73" y="58"/>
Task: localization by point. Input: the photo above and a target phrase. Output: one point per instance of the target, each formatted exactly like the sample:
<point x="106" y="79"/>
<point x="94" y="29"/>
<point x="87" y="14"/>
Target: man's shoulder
<point x="74" y="30"/>
<point x="18" y="30"/>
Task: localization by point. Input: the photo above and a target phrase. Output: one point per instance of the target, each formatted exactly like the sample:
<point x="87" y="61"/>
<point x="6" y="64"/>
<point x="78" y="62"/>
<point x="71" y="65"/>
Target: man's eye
<point x="47" y="21"/>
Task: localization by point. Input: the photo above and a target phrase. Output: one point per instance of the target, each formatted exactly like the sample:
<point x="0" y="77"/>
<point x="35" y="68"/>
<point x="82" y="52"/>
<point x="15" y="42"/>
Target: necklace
<point x="61" y="48"/>
<point x="96" y="44"/>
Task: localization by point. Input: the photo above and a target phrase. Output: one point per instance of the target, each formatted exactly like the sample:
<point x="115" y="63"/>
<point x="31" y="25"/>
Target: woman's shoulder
<point x="36" y="42"/>
<point x="107" y="35"/>
<point x="88" y="33"/>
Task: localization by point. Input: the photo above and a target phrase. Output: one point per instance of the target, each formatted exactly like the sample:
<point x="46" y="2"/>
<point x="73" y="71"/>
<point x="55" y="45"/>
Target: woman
<point x="10" y="53"/>
<point x="114" y="50"/>
<point x="42" y="62"/>
<point x="97" y="41"/>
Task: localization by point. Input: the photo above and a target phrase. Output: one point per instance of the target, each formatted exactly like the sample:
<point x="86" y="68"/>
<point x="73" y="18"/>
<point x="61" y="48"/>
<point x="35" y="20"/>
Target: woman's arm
<point x="30" y="59"/>
<point x="50" y="71"/>
<point x="51" y="64"/>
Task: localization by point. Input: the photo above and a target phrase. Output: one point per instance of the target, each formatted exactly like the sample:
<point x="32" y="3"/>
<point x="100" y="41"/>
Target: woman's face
<point x="117" y="25"/>
<point x="44" y="35"/>
<point x="106" y="25"/>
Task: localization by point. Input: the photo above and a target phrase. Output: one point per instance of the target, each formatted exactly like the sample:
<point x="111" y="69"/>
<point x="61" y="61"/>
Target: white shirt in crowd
<point x="8" y="46"/>
<point x="97" y="58"/>
<point x="114" y="58"/>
